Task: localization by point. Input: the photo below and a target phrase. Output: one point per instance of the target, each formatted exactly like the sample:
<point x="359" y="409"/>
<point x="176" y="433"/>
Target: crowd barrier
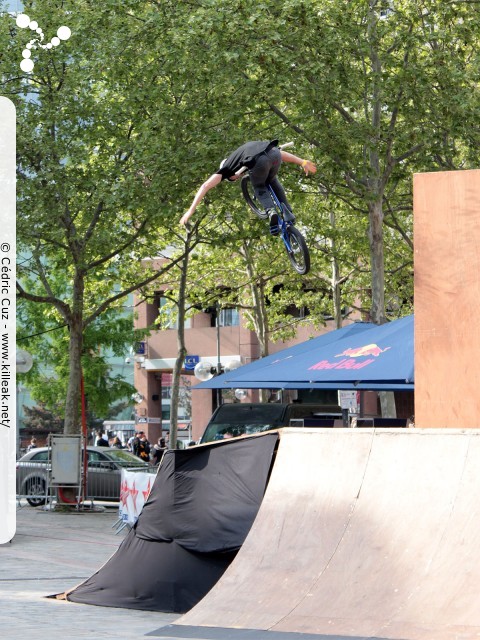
<point x="103" y="484"/>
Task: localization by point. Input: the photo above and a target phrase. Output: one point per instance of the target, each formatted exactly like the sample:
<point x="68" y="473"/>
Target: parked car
<point x="103" y="473"/>
<point x="237" y="419"/>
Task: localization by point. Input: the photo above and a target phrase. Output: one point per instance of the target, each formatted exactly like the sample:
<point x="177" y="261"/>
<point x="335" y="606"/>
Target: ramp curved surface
<point x="362" y="532"/>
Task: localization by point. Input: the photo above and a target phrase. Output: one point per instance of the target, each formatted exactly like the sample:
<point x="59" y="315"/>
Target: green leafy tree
<point x="40" y="420"/>
<point x="387" y="86"/>
<point x="117" y="126"/>
<point x="375" y="90"/>
<point x="110" y="335"/>
<point x="84" y="223"/>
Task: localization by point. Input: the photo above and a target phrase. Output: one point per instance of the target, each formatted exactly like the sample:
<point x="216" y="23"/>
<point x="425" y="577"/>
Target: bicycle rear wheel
<point x="249" y="195"/>
<point x="299" y="254"/>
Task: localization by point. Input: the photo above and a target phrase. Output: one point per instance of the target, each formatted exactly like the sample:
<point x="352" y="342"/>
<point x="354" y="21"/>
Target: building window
<point x="297" y="312"/>
<point x="229" y="318"/>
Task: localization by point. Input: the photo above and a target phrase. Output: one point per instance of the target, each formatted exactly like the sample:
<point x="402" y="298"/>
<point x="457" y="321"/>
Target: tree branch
<point x="134" y="287"/>
<point x="408" y="153"/>
<point x="56" y="302"/>
<point x="118" y="250"/>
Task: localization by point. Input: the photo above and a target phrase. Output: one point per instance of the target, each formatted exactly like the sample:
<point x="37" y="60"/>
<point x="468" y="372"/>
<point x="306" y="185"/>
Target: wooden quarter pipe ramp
<point x="362" y="533"/>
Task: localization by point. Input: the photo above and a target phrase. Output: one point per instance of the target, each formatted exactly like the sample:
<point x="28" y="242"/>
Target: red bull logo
<point x="367" y="350"/>
<point x="349" y="358"/>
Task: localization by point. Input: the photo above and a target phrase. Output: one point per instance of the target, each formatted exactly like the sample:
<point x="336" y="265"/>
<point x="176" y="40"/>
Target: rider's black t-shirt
<point x="245" y="156"/>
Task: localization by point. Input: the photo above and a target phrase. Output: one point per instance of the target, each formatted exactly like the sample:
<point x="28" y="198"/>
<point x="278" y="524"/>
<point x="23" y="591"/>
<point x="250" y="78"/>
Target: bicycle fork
<point x="283" y="225"/>
<point x="285" y="235"/>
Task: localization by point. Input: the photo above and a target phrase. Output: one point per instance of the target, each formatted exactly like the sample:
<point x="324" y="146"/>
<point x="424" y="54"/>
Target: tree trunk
<point x="375" y="192"/>
<point x="261" y="318"/>
<point x="75" y="326"/>
<point x="174" y="402"/>
<point x="181" y="350"/>
<point x="336" y="292"/>
<point x="375" y="237"/>
<point x="259" y="314"/>
<point x="258" y="292"/>
<point x="72" y="402"/>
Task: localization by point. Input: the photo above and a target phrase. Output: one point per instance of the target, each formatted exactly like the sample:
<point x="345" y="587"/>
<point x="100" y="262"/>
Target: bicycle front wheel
<point x="249" y="195"/>
<point x="299" y="254"/>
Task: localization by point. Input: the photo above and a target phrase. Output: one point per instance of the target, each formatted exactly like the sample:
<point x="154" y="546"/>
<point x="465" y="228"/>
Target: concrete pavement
<point x="50" y="553"/>
<point x="53" y="551"/>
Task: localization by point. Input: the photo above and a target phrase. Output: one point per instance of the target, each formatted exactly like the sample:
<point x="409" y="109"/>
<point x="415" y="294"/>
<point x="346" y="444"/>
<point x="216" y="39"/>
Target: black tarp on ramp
<point x="200" y="510"/>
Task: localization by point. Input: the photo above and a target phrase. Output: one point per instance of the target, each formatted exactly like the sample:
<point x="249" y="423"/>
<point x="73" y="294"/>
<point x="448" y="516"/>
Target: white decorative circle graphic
<point x="23" y="22"/>
<point x="64" y="33"/>
<point x="26" y="65"/>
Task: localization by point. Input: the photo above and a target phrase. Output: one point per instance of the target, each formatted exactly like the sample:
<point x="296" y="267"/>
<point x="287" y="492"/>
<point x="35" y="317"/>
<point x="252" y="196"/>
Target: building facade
<point x="219" y="343"/>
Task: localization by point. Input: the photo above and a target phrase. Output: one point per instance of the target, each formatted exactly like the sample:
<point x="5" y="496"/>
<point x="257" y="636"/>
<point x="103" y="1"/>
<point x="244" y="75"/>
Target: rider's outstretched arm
<point x="212" y="181"/>
<point x="307" y="165"/>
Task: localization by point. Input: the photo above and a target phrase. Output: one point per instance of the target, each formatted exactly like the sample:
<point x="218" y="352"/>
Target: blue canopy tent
<point x="359" y="356"/>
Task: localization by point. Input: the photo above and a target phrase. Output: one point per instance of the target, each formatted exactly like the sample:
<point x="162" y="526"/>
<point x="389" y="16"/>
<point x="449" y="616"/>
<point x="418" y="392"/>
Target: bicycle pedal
<point x="274" y="231"/>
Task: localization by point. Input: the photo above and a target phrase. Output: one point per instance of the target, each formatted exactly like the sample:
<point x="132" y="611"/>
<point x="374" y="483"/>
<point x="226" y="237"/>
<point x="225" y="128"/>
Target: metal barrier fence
<point x="33" y="484"/>
<point x="103" y="483"/>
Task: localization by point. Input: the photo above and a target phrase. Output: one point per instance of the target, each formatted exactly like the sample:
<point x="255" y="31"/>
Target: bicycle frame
<point x="292" y="239"/>
<point x="283" y="224"/>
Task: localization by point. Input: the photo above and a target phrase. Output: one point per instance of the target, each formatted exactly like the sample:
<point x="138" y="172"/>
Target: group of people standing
<point x="138" y="445"/>
<point x="141" y="447"/>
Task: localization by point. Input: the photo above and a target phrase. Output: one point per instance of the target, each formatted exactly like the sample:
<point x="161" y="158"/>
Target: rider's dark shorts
<point x="265" y="172"/>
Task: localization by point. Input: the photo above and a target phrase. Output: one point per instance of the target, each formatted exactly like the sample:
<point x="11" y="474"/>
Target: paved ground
<point x="50" y="553"/>
<point x="53" y="551"/>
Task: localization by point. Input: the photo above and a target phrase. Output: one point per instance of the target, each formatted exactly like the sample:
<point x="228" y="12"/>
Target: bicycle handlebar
<point x="282" y="146"/>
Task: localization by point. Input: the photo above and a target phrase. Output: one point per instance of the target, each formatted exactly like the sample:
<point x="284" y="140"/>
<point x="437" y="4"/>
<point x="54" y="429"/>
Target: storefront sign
<point x="190" y="362"/>
<point x="140" y="348"/>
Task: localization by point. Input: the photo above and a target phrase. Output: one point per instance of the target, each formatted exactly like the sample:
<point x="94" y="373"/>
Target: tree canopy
<point x="119" y="125"/>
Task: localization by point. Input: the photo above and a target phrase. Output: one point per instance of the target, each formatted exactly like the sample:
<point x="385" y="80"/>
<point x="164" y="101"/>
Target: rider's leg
<point x="280" y="193"/>
<point x="272" y="179"/>
<point x="259" y="174"/>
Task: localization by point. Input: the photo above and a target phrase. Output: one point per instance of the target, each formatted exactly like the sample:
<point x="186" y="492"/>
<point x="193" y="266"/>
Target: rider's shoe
<point x="273" y="217"/>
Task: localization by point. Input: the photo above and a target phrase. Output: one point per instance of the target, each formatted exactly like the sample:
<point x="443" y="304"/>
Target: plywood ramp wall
<point x="447" y="299"/>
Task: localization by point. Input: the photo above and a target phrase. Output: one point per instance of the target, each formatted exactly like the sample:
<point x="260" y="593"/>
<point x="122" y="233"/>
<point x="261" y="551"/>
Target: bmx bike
<point x="295" y="245"/>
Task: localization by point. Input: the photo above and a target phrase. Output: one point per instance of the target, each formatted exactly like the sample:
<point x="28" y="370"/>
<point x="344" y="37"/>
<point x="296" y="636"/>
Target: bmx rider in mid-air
<point x="263" y="160"/>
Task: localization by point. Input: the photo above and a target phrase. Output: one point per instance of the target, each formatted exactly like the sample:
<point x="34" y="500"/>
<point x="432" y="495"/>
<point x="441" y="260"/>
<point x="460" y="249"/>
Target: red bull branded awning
<point x="361" y="355"/>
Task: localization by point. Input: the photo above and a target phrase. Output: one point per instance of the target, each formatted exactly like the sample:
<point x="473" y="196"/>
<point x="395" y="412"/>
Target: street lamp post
<point x="219" y="364"/>
<point x="205" y="370"/>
